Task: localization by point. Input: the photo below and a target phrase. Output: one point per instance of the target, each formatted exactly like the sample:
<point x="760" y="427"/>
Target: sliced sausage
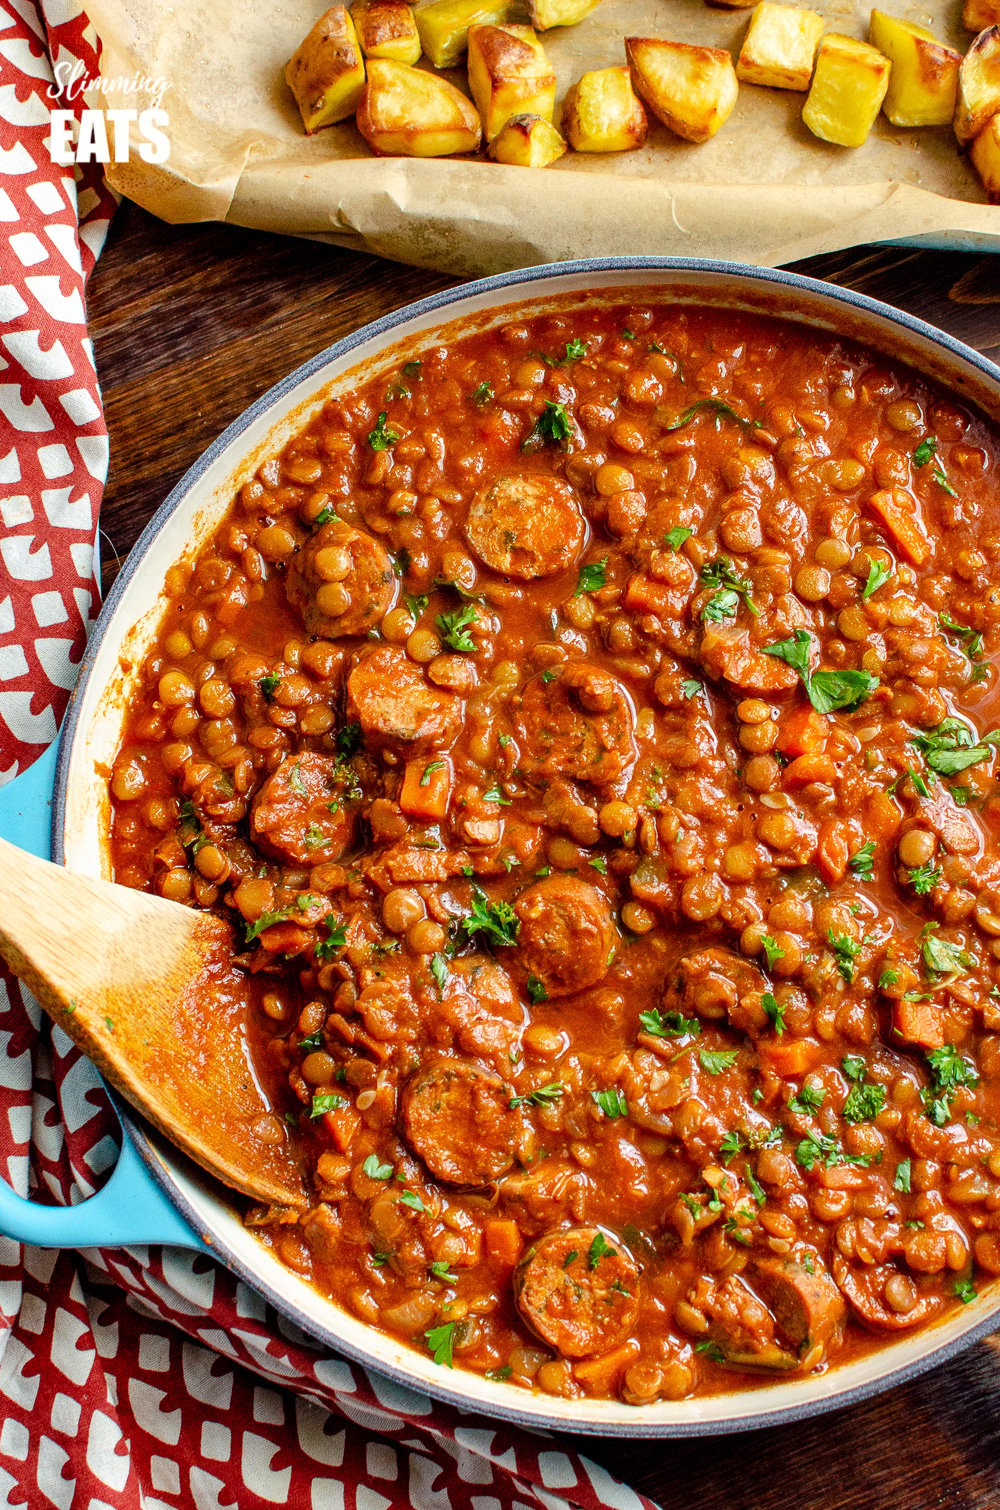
<point x="526" y="526"/>
<point x="578" y="1290"/>
<point x="727" y="654"/>
<point x="716" y="984"/>
<point x="298" y="815"/>
<point x="395" y="704"/>
<point x="864" y="1287"/>
<point x="483" y="1010"/>
<point x="566" y="934"/>
<point x="457" y="1117"/>
<point x="802" y="1297"/>
<point x="576" y="720"/>
<point x="738" y="1322"/>
<point x="341" y="581"/>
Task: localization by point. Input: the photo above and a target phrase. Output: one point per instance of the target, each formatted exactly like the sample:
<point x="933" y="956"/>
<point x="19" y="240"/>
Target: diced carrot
<point x="426" y="789"/>
<point x="342" y="1124"/>
<point x="919" y="1022"/>
<point x="599" y="1374"/>
<point x="883" y="815"/>
<point x="900" y="512"/>
<point x="643" y="595"/>
<point x="840" y="1176"/>
<point x="789" y="1056"/>
<point x="503" y="1241"/>
<point x="803" y="731"/>
<point x="833" y="849"/>
<point x="812" y="767"/>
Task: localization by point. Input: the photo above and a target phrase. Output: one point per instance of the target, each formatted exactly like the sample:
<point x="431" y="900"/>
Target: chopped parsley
<point x="864" y="1102"/>
<point x="965" y="1290"/>
<point x="415" y="603"/>
<point x="265" y="921"/>
<point x="775" y="1012"/>
<point x="943" y="957"/>
<point x="807" y="1099"/>
<point x="592" y="577"/>
<point x="439" y="970"/>
<point x="348" y="741"/>
<point x="714" y="1061"/>
<point x="953" y="746"/>
<point x="329" y="1102"/>
<point x="599" y="1249"/>
<point x="543" y="1096"/>
<point x="440" y="1342"/>
<point x="535" y="989"/>
<point x="817" y="1147"/>
<point x="690" y="688"/>
<point x="926" y="449"/>
<point x="902" y="1180"/>
<point x="482" y="395"/>
<point x="826" y="690"/>
<point x="454" y="628"/>
<point x="381" y="438"/>
<point x="498" y="1375"/>
<point x="496" y="921"/>
<point x="861" y="862"/>
<point x="727" y="587"/>
<point x="731" y="1145"/>
<point x="950" y="1071"/>
<point x="269" y="685"/>
<point x="672" y="1025"/>
<point x="718" y="408"/>
<point x="494" y="794"/>
<point x="923" y="878"/>
<point x="971" y="639"/>
<point x="336" y="938"/>
<point x="771" y="950"/>
<point x="710" y="1350"/>
<point x="411" y="1199"/>
<point x="611" y="1102"/>
<point x="376" y="1171"/>
<point x="878" y="576"/>
<point x="675" y="538"/>
<point x="441" y="1271"/>
<point x="552" y="428"/>
<point x="599" y="864"/>
<point x="853" y="1066"/>
<point x="428" y="771"/>
<point x="889" y="977"/>
<point x="845" y="952"/>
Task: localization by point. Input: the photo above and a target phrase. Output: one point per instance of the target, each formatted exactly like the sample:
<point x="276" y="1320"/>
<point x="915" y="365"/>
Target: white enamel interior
<point x="96" y="735"/>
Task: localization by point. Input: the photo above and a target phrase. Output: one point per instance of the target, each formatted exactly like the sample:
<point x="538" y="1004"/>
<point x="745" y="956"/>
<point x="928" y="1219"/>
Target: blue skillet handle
<point x="130" y="1207"/>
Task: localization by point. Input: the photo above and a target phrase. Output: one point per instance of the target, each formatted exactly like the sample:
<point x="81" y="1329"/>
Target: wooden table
<point x="192" y="323"/>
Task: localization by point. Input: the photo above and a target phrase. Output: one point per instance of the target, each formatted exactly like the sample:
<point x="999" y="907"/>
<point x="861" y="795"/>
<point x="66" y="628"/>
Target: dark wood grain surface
<point x="192" y="323"/>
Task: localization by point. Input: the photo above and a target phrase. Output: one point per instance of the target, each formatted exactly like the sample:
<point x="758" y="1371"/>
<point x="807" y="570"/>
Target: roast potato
<point x="780" y="46"/>
<point x="443" y="26"/>
<point x="326" y="73"/>
<point x="406" y="112"/>
<point x="690" y="89"/>
<point x="386" y="29"/>
<point x="977" y="15"/>
<point x="546" y="13"/>
<point x="601" y="113"/>
<point x="924" y="77"/>
<point x="985" y="155"/>
<point x="526" y="141"/>
<point x="978" y="85"/>
<point x="848" y="87"/>
<point x="509" y="74"/>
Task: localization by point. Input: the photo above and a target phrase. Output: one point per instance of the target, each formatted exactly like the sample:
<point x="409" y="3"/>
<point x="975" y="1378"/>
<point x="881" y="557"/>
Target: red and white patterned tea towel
<point x="149" y="1379"/>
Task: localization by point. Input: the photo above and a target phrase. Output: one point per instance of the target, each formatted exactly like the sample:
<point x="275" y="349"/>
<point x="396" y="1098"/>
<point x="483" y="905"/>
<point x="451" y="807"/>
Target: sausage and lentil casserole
<point x="587" y="726"/>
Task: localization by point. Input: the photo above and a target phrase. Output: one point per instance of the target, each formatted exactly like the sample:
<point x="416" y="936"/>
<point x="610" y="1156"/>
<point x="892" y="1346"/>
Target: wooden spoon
<point x="148" y="990"/>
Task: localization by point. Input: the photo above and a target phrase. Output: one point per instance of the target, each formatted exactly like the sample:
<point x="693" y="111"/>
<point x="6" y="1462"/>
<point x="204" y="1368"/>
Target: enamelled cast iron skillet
<point x="155" y="1194"/>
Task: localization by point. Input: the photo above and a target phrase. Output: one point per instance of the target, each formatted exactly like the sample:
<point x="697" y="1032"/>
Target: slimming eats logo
<point x="106" y="136"/>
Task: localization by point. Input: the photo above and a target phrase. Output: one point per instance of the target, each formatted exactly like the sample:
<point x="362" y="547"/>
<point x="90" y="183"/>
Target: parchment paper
<point x="764" y="190"/>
